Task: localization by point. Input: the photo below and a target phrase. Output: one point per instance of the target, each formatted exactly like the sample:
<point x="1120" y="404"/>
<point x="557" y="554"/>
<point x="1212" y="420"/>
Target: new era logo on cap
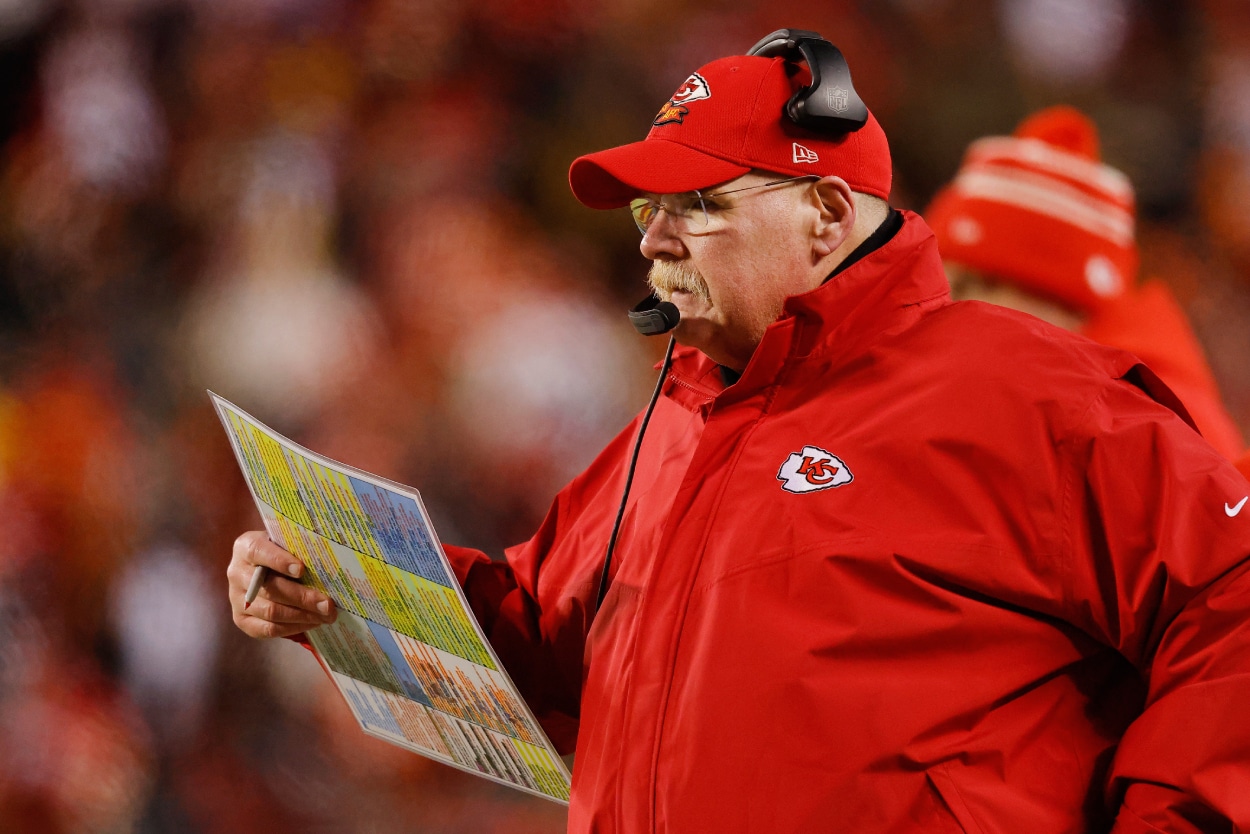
<point x="802" y="154"/>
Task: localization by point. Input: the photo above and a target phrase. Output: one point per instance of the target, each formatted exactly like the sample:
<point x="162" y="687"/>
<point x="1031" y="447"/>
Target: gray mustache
<point x="666" y="277"/>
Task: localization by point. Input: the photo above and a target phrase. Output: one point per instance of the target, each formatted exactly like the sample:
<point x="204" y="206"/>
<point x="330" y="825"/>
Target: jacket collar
<point x="882" y="293"/>
<point x="879" y="294"/>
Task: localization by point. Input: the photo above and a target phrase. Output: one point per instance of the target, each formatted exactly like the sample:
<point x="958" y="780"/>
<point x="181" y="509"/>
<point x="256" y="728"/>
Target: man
<point x="1037" y="222"/>
<point x="889" y="563"/>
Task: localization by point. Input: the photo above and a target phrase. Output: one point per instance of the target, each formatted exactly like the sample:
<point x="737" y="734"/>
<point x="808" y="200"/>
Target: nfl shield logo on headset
<point x="839" y="99"/>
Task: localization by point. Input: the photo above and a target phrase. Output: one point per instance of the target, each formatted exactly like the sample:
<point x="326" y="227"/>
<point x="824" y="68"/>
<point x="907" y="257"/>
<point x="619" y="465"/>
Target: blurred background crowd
<point x="351" y="218"/>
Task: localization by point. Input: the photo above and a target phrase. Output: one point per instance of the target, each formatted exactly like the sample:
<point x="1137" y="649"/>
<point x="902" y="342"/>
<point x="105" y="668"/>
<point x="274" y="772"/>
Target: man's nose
<point x="661" y="240"/>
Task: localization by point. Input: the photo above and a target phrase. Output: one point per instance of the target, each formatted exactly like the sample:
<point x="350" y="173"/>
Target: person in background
<point x="1037" y="222"/>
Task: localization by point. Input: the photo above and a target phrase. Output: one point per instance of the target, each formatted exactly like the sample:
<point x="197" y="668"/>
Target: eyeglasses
<point x="691" y="206"/>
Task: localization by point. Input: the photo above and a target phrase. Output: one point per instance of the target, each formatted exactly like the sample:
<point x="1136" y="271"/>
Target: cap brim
<point x="610" y="179"/>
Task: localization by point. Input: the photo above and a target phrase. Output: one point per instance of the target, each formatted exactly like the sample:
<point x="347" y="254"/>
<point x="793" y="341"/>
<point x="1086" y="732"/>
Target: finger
<point x="313" y="605"/>
<point x="239" y="576"/>
<point x="276" y="612"/>
<point x="283" y="591"/>
<point x="264" y="629"/>
<point x="254" y="548"/>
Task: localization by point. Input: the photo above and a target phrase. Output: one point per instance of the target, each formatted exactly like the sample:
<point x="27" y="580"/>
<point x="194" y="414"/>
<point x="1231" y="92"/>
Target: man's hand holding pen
<point x="264" y="601"/>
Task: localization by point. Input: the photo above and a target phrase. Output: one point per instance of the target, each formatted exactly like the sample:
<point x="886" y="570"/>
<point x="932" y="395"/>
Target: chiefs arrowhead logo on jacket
<point x="813" y="469"/>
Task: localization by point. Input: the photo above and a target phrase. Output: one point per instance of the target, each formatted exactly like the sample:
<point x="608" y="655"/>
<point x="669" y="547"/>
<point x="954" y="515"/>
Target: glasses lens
<point x="690" y="206"/>
<point x="644" y="212"/>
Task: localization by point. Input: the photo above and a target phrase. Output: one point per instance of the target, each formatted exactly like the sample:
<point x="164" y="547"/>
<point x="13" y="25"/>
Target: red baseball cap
<point x="726" y="119"/>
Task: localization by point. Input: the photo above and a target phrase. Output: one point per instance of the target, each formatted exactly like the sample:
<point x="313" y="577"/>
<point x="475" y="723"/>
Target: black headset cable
<point x="604" y="578"/>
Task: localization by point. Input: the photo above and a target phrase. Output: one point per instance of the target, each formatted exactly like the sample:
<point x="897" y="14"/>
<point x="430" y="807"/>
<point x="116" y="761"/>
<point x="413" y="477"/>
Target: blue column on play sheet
<point x="370" y="707"/>
<point x="399" y="527"/>
<point x="407" y="677"/>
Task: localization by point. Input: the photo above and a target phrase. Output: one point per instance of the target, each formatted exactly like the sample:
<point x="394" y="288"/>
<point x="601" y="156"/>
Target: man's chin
<point x="699" y="329"/>
<point x="690" y="304"/>
<point x="694" y="331"/>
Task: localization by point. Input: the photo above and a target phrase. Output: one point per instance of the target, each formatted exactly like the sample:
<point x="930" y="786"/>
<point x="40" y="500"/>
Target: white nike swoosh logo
<point x="1232" y="511"/>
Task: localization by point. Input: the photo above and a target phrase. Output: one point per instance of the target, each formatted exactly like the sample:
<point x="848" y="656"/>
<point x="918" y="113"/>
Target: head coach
<point x="887" y="562"/>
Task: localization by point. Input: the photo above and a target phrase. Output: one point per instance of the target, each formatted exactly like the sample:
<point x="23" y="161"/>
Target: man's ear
<point x="836" y="218"/>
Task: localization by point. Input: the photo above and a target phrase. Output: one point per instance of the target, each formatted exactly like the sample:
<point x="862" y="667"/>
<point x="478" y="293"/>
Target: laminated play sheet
<point x="406" y="651"/>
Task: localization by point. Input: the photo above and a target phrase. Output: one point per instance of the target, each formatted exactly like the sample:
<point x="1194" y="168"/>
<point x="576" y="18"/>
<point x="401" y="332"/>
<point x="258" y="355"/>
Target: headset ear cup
<point x="829" y="104"/>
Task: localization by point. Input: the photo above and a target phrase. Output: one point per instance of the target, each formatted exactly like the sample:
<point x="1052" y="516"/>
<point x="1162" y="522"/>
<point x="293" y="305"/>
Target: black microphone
<point x="651" y="316"/>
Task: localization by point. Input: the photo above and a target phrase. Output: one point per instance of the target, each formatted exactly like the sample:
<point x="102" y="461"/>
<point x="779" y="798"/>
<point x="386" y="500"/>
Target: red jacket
<point x="926" y="567"/>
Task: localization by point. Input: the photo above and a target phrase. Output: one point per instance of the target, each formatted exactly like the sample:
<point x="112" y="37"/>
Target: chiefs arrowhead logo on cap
<point x="674" y="110"/>
<point x="813" y="469"/>
<point x="670" y="113"/>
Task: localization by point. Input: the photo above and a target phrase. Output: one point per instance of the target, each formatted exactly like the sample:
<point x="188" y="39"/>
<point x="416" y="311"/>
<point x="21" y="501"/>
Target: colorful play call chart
<point x="406" y="651"/>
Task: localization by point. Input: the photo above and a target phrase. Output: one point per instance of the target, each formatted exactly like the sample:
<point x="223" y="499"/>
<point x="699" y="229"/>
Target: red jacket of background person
<point x="1041" y="211"/>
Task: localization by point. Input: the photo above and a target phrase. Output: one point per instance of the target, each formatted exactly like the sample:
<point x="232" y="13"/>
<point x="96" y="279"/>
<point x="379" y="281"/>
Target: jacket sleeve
<point x="1150" y="323"/>
<point x="1160" y="569"/>
<point x="537" y="605"/>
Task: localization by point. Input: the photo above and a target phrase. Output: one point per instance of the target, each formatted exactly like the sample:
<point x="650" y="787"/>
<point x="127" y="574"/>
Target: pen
<point x="253" y="587"/>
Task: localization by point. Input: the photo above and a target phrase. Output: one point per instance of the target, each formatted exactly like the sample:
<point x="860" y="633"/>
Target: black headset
<point x="829" y="105"/>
